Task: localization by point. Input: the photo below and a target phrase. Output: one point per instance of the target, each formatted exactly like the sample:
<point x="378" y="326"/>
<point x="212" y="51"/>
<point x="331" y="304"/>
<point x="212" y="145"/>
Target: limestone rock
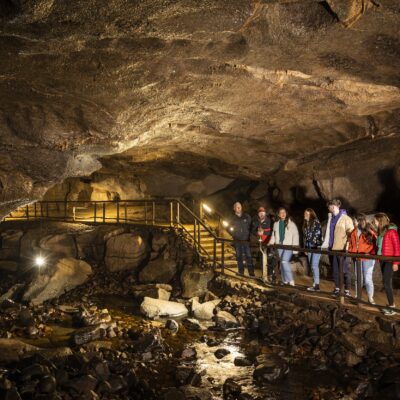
<point x="61" y="245"/>
<point x="204" y="310"/>
<point x="125" y="251"/>
<point x="10" y="244"/>
<point x="270" y="367"/>
<point x="225" y="320"/>
<point x="158" y="271"/>
<point x="64" y="275"/>
<point x="195" y="281"/>
<point x="152" y="308"/>
<point x="159" y="241"/>
<point x="155" y="291"/>
<point x="12" y="349"/>
<point x="8" y="266"/>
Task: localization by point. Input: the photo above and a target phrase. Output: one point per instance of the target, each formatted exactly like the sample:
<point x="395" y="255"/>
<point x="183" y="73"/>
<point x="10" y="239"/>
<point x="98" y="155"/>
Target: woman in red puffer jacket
<point x="388" y="245"/>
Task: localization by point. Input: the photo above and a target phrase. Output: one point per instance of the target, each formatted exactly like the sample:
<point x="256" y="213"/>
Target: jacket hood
<point x="392" y="226"/>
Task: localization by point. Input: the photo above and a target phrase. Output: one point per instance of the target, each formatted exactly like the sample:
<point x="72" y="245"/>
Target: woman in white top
<point x="285" y="232"/>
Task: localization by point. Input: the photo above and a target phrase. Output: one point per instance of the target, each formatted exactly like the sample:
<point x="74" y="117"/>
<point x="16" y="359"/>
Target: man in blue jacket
<point x="241" y="225"/>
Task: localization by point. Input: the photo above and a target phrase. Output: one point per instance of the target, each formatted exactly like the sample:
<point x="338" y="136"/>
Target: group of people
<point x="343" y="233"/>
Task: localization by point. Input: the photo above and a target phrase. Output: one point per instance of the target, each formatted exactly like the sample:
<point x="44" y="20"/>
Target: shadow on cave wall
<point x="389" y="200"/>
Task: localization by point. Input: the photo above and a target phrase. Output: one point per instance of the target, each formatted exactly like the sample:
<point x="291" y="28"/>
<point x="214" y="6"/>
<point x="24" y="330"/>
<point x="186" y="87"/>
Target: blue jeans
<point x="313" y="259"/>
<point x="286" y="269"/>
<point x="367" y="270"/>
<point x="244" y="249"/>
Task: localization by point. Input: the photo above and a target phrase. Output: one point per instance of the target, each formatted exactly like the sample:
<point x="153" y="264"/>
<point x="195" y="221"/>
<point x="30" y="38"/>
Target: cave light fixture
<point x="207" y="208"/>
<point x="40" y="261"/>
<point x="225" y="224"/>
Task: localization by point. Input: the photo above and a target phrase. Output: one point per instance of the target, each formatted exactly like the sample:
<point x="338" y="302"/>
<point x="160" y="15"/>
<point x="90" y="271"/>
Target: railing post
<point x="341" y="280"/>
<point x="195" y="234"/>
<point x="222" y="257"/>
<point x="215" y="253"/>
<point x="41" y="210"/>
<point x="104" y="213"/>
<point x="359" y="279"/>
<point x="154" y="212"/>
<point x="35" y="210"/>
<point x="145" y="212"/>
<point x="65" y="210"/>
<point x="95" y="211"/>
<point x="126" y="212"/>
<point x="178" y="212"/>
<point x="117" y="211"/>
<point x="47" y="210"/>
<point x="198" y="237"/>
<point x="27" y="212"/>
<point x="171" y="213"/>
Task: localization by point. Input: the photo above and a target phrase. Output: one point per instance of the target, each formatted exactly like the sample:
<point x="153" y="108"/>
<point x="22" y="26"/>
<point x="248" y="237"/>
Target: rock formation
<point x="183" y="96"/>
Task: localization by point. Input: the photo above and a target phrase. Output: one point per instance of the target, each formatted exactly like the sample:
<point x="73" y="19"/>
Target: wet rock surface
<point x="93" y="342"/>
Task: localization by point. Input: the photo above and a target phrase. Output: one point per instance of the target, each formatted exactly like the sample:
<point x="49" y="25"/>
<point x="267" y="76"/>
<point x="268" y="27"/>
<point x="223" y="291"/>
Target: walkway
<point x="208" y="238"/>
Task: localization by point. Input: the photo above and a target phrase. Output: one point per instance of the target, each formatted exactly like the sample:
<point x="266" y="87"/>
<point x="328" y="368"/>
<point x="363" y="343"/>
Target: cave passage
<point x="199" y="200"/>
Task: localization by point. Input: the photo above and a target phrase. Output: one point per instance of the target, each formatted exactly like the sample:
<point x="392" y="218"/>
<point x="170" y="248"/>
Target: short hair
<point x="236" y="202"/>
<point x="334" y="202"/>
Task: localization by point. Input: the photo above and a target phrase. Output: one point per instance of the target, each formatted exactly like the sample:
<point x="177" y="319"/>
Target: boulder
<point x="64" y="275"/>
<point x="195" y="281"/>
<point x="125" y="252"/>
<point x="225" y="320"/>
<point x="353" y="343"/>
<point x="62" y="245"/>
<point x="8" y="266"/>
<point x="159" y="242"/>
<point x="194" y="393"/>
<point x="158" y="271"/>
<point x="155" y="291"/>
<point x="12" y="349"/>
<point x="161" y="308"/>
<point x="13" y="292"/>
<point x="270" y="367"/>
<point x="193" y="324"/>
<point x="10" y="244"/>
<point x="89" y="334"/>
<point x="205" y="310"/>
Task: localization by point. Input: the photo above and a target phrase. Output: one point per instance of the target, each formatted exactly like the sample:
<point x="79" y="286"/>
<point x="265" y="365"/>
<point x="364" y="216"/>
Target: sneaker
<point x="239" y="273"/>
<point x="371" y="301"/>
<point x="314" y="288"/>
<point x="388" y="312"/>
<point x="253" y="275"/>
<point x="291" y="283"/>
<point x="347" y="293"/>
<point x="336" y="292"/>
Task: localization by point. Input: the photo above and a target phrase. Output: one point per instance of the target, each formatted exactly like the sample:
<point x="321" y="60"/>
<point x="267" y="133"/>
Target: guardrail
<point x="174" y="213"/>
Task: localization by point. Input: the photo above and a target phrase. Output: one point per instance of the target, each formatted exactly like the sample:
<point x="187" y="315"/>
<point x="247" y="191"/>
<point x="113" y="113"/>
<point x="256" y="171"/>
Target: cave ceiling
<point x="243" y="89"/>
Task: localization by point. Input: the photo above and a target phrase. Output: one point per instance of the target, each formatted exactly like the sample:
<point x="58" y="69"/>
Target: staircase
<point x="211" y="248"/>
<point x="206" y="247"/>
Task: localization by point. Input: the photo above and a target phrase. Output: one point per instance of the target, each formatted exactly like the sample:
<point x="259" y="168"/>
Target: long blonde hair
<point x="383" y="222"/>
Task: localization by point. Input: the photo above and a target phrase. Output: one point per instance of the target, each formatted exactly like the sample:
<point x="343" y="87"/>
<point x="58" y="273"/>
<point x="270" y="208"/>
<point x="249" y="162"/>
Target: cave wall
<point x="249" y="90"/>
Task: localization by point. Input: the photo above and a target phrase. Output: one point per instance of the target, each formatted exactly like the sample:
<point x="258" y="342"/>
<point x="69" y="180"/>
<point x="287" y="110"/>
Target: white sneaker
<point x="291" y="283"/>
<point x="371" y="301"/>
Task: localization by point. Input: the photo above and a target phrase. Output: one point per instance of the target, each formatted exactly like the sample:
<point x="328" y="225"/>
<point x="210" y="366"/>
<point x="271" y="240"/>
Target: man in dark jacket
<point x="241" y="224"/>
<point x="262" y="226"/>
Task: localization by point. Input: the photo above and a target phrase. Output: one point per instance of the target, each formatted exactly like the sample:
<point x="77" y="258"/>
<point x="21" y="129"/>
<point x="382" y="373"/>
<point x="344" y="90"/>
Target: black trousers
<point x="335" y="260"/>
<point x="387" y="276"/>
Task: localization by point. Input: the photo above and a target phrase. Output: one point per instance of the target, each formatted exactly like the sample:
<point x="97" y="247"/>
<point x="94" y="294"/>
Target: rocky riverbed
<point x="258" y="345"/>
<point x="166" y="328"/>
